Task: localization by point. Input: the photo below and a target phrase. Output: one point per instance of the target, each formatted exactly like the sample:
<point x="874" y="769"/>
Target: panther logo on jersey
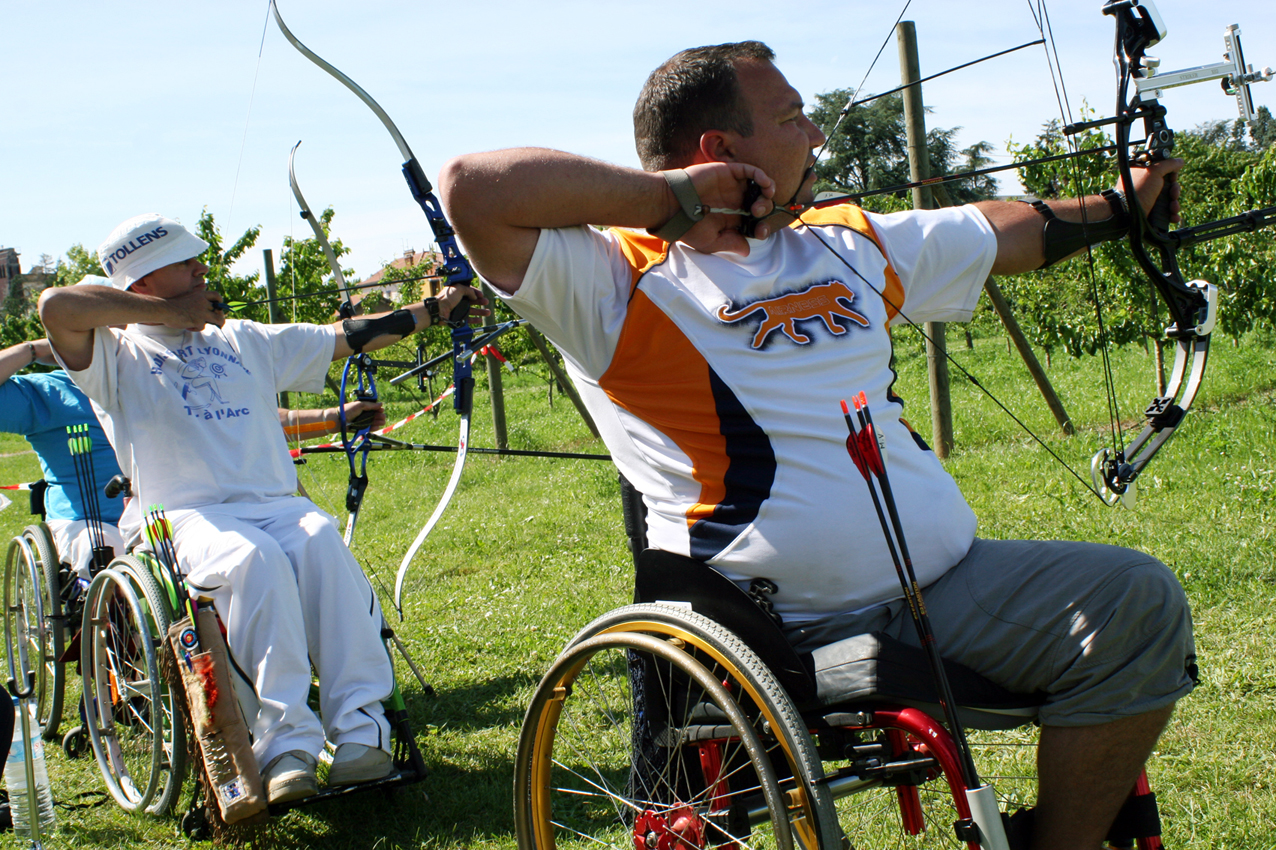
<point x="824" y="301"/>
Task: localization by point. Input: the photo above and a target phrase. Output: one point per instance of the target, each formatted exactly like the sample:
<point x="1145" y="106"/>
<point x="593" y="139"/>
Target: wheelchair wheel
<point x="33" y="632"/>
<point x="135" y="730"/>
<point x="878" y="789"/>
<point x="41" y="541"/>
<point x="620" y="746"/>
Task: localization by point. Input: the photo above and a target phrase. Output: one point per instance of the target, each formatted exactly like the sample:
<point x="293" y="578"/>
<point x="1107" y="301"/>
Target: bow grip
<point x="1159" y="216"/>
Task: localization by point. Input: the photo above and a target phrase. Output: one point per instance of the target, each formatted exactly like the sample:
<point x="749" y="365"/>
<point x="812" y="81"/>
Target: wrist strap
<point x="688" y="199"/>
<point x="432" y="307"/>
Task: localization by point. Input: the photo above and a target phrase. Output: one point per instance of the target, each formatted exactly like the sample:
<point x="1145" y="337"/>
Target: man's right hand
<point x="194" y="310"/>
<point x="723" y="185"/>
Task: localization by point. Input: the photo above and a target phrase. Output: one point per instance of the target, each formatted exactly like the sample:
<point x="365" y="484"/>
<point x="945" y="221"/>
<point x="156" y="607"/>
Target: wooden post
<point x="272" y="305"/>
<point x="1002" y="306"/>
<point x="496" y="390"/>
<point x="1016" y="335"/>
<point x="563" y="381"/>
<point x="941" y="412"/>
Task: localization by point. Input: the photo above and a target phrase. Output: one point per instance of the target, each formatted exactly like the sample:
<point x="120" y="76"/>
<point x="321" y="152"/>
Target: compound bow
<point x="1192" y="305"/>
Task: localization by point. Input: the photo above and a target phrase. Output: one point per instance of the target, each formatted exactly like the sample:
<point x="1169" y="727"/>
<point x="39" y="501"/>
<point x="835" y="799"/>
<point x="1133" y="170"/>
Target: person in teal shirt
<point x="41" y="407"/>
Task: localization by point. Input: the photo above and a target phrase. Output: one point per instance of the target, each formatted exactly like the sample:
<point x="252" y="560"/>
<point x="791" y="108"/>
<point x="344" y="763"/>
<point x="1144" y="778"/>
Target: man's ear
<point x="716" y="146"/>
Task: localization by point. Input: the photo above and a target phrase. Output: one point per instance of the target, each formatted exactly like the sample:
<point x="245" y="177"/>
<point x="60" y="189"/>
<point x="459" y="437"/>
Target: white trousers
<point x="71" y="537"/>
<point x="291" y="594"/>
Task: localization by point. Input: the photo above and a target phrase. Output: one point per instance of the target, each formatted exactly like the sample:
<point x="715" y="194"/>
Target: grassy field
<point x="531" y="549"/>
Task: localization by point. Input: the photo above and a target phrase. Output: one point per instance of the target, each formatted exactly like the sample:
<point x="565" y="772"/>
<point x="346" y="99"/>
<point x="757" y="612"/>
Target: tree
<point x="870" y="151"/>
<point x="79" y="263"/>
<point x="1222" y="179"/>
<point x="235" y="289"/>
<point x="304" y="272"/>
<point x="1263" y="130"/>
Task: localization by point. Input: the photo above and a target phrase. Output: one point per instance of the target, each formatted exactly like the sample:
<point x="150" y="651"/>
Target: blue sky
<point x="115" y="109"/>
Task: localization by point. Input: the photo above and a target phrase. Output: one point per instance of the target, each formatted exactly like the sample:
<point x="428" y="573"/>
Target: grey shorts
<point x="1104" y="632"/>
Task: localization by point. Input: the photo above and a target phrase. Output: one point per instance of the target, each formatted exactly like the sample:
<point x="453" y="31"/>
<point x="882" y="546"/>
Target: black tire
<point x="26" y="626"/>
<point x="604" y="755"/>
<point x="75" y="742"/>
<point x="136" y="732"/>
<point x="41" y="541"/>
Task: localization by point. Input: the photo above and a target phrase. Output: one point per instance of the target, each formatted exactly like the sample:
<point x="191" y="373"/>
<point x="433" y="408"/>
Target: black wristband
<point x="360" y="332"/>
<point x="432" y="307"/>
<point x="1061" y="238"/>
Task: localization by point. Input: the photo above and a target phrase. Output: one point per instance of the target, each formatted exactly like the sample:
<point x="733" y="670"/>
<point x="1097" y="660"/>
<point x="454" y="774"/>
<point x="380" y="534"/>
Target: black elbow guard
<point x="1061" y="238"/>
<point x="360" y="332"/>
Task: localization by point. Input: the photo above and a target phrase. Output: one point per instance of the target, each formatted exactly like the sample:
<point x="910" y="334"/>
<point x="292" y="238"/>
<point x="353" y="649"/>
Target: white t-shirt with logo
<point x="193" y="416"/>
<point x="716" y="381"/>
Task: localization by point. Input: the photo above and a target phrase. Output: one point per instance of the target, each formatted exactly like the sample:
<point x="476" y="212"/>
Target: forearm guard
<point x="360" y="332"/>
<point x="1061" y="238"/>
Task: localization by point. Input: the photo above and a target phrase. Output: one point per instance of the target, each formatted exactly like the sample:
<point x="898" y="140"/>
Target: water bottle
<point x="15" y="775"/>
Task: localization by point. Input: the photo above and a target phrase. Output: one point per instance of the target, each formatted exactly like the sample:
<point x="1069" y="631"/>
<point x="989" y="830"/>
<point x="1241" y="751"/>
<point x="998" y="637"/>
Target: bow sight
<point x="1192" y="305"/>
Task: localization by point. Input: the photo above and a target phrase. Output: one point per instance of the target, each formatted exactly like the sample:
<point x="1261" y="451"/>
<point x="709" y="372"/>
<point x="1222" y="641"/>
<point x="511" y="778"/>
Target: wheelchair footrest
<point x="397" y="780"/>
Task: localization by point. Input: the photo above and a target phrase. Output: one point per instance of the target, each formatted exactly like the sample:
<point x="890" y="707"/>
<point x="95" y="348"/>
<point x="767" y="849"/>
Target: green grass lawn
<point x="531" y="549"/>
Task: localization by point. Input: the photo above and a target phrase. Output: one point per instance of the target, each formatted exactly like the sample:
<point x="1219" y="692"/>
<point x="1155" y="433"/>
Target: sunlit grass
<point x="531" y="549"/>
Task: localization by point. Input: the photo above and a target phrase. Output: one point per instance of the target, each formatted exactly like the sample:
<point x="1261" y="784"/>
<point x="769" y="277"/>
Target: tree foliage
<point x="1225" y="175"/>
<point x="870" y="151"/>
<point x="305" y="277"/>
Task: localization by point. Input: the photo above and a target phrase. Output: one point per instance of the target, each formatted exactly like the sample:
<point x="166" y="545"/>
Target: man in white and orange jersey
<point x="713" y="364"/>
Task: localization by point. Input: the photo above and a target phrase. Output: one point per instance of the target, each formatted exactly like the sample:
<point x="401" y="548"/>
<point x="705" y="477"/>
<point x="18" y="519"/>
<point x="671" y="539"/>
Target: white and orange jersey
<point x="716" y="381"/>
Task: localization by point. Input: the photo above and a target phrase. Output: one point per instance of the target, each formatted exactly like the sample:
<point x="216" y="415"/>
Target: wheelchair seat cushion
<point x="874" y="668"/>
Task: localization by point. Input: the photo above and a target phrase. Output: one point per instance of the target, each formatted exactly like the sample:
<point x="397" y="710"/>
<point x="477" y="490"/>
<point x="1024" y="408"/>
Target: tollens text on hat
<point x="124" y="250"/>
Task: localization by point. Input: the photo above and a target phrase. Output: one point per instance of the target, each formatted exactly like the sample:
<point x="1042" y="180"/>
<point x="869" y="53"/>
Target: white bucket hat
<point x="143" y="244"/>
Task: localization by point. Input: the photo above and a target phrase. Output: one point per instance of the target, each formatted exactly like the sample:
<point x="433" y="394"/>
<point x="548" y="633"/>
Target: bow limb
<point x="346" y="310"/>
<point x="353" y="441"/>
<point x="456" y="268"/>
<point x="462" y="451"/>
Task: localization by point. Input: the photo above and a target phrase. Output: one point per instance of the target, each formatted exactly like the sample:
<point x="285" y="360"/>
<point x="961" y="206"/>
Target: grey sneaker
<point x="355" y="763"/>
<point x="290" y="776"/>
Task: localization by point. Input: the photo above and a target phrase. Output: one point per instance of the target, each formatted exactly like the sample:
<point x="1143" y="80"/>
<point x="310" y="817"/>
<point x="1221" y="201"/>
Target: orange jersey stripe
<point x="654" y="363"/>
<point x="854" y="218"/>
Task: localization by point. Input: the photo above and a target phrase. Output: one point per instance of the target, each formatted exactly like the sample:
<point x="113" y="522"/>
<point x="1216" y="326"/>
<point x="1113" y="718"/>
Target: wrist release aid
<point x="360" y="332"/>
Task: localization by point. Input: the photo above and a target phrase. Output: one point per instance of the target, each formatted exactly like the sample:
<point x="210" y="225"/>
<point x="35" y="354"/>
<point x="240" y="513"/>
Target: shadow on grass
<point x="450" y="805"/>
<point x="488" y="704"/>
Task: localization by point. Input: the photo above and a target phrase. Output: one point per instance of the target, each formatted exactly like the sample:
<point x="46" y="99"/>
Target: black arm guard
<point x="1061" y="238"/>
<point x="360" y="332"/>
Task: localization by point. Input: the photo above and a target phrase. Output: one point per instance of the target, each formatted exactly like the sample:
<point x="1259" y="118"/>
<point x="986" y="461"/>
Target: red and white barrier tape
<point x="387" y="429"/>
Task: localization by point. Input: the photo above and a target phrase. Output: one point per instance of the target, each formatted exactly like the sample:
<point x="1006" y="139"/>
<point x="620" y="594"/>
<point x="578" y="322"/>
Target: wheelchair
<point x="135" y="711"/>
<point x="659" y="728"/>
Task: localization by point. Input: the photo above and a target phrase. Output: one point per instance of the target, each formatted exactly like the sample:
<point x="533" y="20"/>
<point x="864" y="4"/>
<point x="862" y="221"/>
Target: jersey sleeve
<point x="942" y="258"/>
<point x="576" y="292"/>
<point x="100" y="381"/>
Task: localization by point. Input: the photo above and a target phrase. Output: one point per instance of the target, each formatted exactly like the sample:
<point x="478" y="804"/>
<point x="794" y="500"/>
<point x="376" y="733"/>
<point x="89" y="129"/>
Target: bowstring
<point x="1041" y="17"/>
<point x="243" y="142"/>
<point x="846" y="110"/>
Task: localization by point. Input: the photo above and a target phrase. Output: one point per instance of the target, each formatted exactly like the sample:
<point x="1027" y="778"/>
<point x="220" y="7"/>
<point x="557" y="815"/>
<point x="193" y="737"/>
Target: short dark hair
<point x="695" y="91"/>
